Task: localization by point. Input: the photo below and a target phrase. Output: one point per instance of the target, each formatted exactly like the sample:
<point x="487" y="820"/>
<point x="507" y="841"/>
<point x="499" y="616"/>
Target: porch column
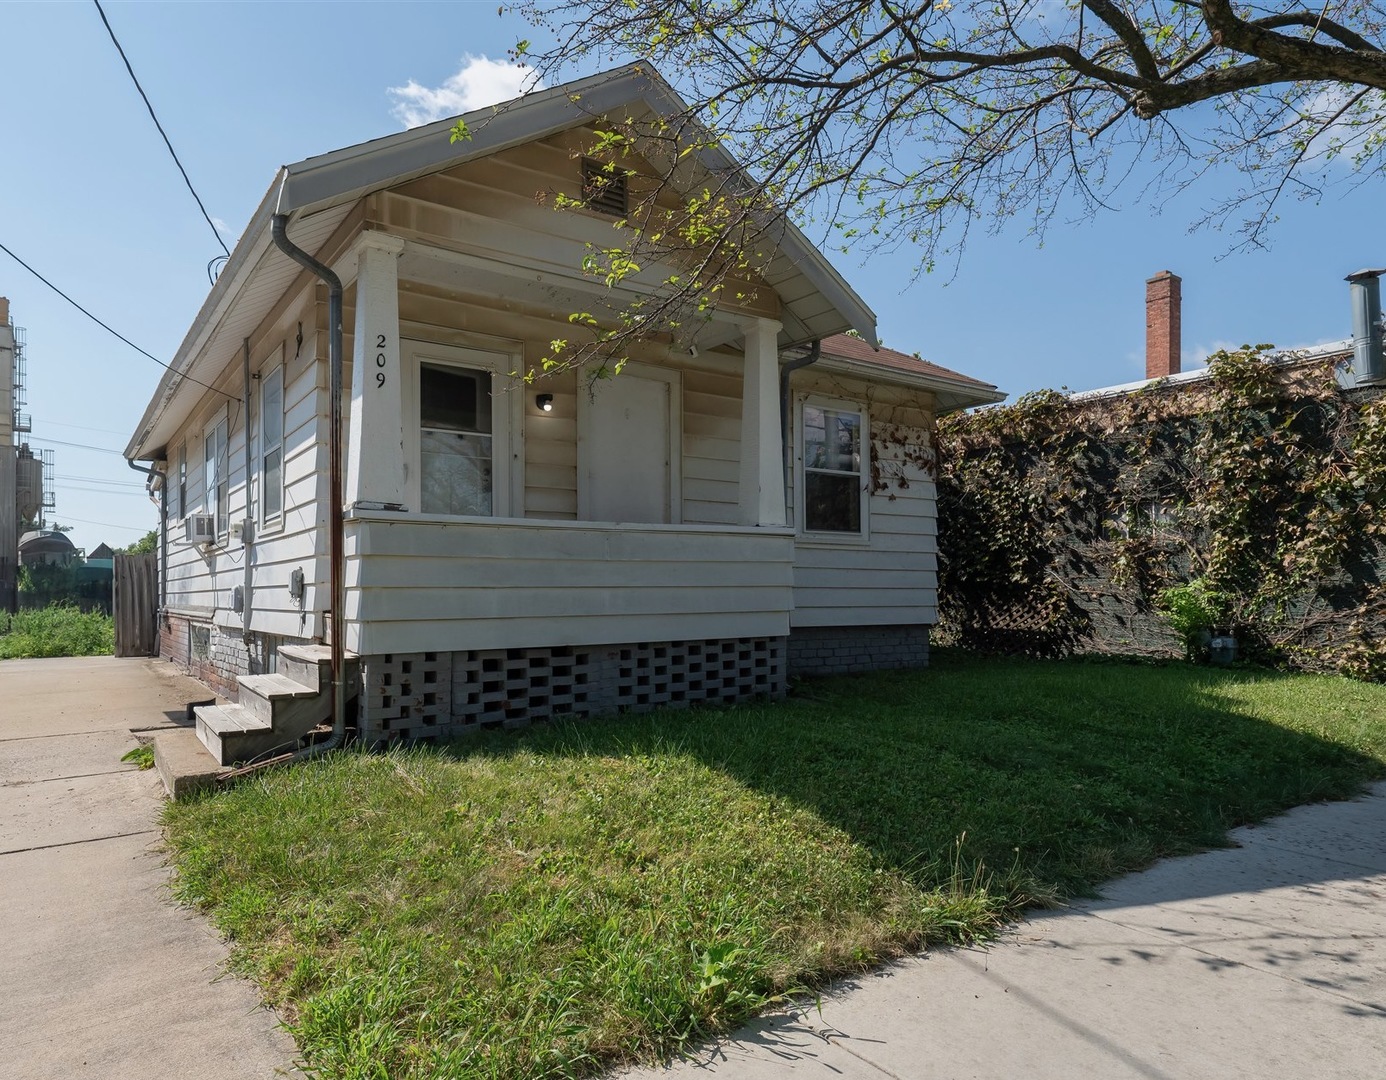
<point x="375" y="461"/>
<point x="762" y="454"/>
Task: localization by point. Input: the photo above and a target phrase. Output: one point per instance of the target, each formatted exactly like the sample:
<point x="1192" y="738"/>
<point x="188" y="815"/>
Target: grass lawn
<point x="554" y="901"/>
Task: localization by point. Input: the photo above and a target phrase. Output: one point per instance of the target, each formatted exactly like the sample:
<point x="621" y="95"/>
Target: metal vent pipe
<point x="1368" y="363"/>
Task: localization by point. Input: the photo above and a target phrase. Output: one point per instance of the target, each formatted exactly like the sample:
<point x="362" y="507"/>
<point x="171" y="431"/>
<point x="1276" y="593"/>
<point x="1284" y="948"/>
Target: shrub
<point x="1193" y="611"/>
<point x="57" y="630"/>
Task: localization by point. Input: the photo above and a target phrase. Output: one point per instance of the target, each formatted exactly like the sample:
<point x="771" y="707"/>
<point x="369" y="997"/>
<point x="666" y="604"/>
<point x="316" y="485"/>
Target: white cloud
<point x="221" y="226"/>
<point x="479" y="82"/>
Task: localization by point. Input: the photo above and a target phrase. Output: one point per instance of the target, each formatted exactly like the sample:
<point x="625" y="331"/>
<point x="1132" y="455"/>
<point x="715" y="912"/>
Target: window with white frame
<point x="182" y="481"/>
<point x="216" y="485"/>
<point x="456" y="440"/>
<point x="272" y="446"/>
<point x="173" y="505"/>
<point x="835" y="468"/>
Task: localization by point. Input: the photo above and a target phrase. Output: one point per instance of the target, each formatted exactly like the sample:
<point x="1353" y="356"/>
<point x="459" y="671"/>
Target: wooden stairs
<point x="273" y="712"/>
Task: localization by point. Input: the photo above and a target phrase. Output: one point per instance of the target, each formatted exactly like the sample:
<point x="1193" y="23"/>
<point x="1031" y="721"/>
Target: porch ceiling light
<point x="545" y="402"/>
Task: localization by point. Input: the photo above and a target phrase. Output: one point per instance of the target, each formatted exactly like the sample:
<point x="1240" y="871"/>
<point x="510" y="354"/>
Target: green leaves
<point x="1248" y="500"/>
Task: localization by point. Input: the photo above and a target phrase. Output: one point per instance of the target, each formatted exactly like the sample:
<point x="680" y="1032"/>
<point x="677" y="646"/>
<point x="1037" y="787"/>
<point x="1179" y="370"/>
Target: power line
<point x="79" y="446"/>
<point x="79" y="427"/>
<point x="64" y="518"/>
<point x="100" y="480"/>
<point x="116" y="41"/>
<point x="109" y="329"/>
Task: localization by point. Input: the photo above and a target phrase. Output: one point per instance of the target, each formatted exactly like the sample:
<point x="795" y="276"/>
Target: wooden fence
<point x="136" y="590"/>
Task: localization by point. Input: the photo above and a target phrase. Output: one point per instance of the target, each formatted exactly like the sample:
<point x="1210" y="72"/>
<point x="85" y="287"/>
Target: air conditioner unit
<point x="199" y="529"/>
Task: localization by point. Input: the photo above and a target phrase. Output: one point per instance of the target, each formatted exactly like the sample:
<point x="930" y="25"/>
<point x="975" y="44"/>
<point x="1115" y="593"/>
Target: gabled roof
<point x="318" y="192"/>
<point x="952" y="389"/>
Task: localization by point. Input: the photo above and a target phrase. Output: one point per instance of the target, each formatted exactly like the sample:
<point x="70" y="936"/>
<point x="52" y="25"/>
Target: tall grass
<point x="56" y="630"/>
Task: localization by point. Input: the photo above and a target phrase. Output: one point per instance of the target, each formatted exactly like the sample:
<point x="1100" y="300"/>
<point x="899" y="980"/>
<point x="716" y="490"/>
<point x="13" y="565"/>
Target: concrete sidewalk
<point x="102" y="975"/>
<point x="1264" y="960"/>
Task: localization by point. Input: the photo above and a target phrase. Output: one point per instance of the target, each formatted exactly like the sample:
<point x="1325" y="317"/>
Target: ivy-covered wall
<point x="1063" y="519"/>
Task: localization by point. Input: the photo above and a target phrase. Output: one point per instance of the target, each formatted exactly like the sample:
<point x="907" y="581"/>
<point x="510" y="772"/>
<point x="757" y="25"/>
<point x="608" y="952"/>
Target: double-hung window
<point x="216" y="482"/>
<point x="456" y="441"/>
<point x="272" y="446"/>
<point x="835" y="468"/>
<point x="177" y="482"/>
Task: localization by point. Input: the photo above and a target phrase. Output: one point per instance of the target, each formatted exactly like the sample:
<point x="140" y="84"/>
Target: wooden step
<point x="264" y="695"/>
<point x="312" y="665"/>
<point x="231" y="733"/>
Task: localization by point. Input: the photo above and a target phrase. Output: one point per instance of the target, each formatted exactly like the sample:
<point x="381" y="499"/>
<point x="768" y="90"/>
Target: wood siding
<point x="201" y="579"/>
<point x="439" y="585"/>
<point x="891" y="578"/>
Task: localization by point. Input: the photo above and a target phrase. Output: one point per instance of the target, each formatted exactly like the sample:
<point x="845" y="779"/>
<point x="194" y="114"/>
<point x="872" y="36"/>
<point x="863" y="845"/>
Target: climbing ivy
<point x="1064" y="519"/>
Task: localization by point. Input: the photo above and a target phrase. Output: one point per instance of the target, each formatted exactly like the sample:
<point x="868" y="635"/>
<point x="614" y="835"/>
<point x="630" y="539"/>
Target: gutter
<point x="279" y="225"/>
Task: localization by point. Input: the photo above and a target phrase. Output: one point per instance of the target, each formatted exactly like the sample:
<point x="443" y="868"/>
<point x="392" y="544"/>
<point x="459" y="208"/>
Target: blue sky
<point x="89" y="196"/>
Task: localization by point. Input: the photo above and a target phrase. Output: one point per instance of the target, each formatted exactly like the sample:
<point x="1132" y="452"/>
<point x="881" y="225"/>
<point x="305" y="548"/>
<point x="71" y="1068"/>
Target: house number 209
<point x="380" y="360"/>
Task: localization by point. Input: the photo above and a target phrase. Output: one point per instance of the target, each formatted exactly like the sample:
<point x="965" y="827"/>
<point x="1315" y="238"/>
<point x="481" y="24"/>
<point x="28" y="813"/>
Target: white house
<point x="507" y="550"/>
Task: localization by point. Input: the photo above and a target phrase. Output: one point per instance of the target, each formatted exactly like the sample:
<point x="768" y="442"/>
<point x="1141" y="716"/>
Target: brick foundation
<point x="212" y="654"/>
<point x="433" y="695"/>
<point x="845" y="650"/>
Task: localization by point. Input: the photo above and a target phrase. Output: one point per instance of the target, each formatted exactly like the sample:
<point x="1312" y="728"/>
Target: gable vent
<point x="603" y="191"/>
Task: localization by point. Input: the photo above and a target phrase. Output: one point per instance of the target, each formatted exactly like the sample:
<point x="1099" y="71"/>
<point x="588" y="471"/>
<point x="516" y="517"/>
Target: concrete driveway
<point x="103" y="975"/>
<point x="1264" y="960"/>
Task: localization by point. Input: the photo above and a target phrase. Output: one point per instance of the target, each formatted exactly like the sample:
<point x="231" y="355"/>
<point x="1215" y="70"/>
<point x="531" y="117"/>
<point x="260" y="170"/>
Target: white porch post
<point x="375" y="463"/>
<point x="762" y="452"/>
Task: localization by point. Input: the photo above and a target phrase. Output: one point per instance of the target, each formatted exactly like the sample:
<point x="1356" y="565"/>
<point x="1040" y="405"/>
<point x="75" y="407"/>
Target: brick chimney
<point x="1162" y="330"/>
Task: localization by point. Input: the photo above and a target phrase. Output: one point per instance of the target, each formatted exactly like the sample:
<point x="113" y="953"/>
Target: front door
<point x="628" y="450"/>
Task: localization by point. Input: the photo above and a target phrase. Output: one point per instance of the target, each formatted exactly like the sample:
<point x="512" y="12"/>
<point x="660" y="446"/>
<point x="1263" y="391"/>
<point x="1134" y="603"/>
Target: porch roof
<point x="318" y="193"/>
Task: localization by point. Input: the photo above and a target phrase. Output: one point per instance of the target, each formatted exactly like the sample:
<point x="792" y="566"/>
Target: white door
<point x="628" y="450"/>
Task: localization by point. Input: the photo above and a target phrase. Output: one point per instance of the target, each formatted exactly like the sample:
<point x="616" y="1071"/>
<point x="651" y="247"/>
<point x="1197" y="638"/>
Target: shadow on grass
<point x="1050" y="777"/>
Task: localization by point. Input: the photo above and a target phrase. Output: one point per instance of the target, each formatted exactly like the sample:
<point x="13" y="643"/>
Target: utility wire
<point x="110" y="330"/>
<point x="100" y="480"/>
<point x="79" y="446"/>
<point x="116" y="41"/>
<point x="79" y="427"/>
<point x="64" y="518"/>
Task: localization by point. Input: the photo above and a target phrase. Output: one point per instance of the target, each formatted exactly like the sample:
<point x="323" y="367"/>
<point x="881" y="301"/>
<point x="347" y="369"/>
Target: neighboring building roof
<point x="952" y="389"/>
<point x="1195" y="375"/>
<point x="319" y="191"/>
<point x="102" y="551"/>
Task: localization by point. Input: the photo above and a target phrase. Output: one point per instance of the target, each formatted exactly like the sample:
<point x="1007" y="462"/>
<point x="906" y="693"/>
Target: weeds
<point x="56" y="630"/>
<point x="142" y="757"/>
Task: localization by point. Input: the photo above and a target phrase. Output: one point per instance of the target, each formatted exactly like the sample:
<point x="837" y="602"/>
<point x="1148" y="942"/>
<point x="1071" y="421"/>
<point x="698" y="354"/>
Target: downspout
<point x="163" y="530"/>
<point x="815" y="351"/>
<point x="279" y="230"/>
<point x="248" y="522"/>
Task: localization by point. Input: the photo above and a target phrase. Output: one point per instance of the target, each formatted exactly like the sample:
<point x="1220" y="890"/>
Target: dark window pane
<point x="454" y="399"/>
<point x="832" y="503"/>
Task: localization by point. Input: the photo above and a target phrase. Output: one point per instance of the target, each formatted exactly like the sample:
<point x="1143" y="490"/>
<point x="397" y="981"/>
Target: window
<point x="272" y="445"/>
<point x="216" y="494"/>
<point x="176" y="482"/>
<point x="183" y="479"/>
<point x="834" y="478"/>
<point x="604" y="188"/>
<point x="456" y="450"/>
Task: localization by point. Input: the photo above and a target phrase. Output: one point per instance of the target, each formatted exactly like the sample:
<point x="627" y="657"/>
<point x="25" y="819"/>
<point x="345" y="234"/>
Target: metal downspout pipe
<point x="815" y="351"/>
<point x="248" y="522"/>
<point x="279" y="230"/>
